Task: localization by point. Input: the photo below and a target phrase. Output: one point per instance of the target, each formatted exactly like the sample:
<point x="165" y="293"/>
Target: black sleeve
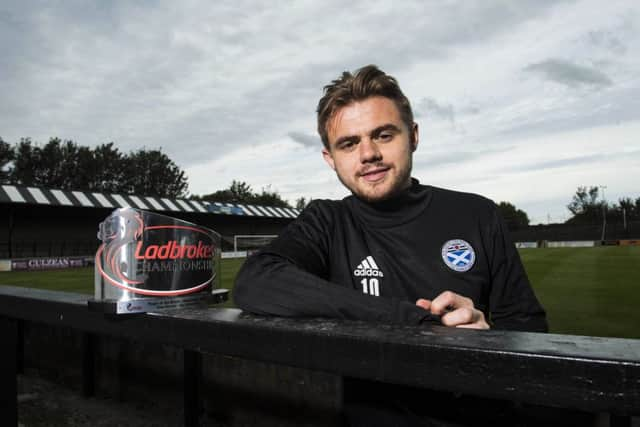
<point x="513" y="304"/>
<point x="289" y="278"/>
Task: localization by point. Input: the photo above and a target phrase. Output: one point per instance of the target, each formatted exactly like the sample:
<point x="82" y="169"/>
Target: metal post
<point x="604" y="212"/>
<point x="604" y="222"/>
<point x="10" y="236"/>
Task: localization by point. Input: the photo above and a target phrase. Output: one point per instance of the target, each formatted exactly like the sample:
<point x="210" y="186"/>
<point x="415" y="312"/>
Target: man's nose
<point x="369" y="151"/>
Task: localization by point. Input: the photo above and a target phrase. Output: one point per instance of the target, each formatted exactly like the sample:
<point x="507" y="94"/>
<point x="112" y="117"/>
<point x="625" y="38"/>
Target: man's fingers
<point x="454" y="310"/>
<point x="459" y="311"/>
<point x="477" y="325"/>
<point x="469" y="318"/>
<point x="460" y="316"/>
<point x="424" y="303"/>
<point x="448" y="301"/>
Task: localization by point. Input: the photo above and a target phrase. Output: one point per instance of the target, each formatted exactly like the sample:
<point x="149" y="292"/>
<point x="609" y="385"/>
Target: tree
<point x="627" y="208"/>
<point x="636" y="209"/>
<point x="69" y="166"/>
<point x="302" y="203"/>
<point x="238" y="192"/>
<point x="513" y="217"/>
<point x="587" y="209"/>
<point x="627" y="204"/>
<point x="57" y="164"/>
<point x="26" y="162"/>
<point x="109" y="167"/>
<point x="584" y="200"/>
<point x="6" y="156"/>
<point x="270" y="198"/>
<point x="585" y="206"/>
<point x="81" y="170"/>
<point x="152" y="173"/>
<point x="241" y="192"/>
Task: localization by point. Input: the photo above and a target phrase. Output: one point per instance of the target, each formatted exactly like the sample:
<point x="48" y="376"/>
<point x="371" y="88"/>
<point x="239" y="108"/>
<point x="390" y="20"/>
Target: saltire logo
<point x="458" y="255"/>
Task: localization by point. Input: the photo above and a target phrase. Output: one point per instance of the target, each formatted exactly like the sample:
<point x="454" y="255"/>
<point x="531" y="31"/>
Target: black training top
<point x="356" y="260"/>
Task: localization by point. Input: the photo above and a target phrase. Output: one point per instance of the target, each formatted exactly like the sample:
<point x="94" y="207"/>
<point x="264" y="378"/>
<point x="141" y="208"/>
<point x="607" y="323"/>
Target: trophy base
<point x="155" y="304"/>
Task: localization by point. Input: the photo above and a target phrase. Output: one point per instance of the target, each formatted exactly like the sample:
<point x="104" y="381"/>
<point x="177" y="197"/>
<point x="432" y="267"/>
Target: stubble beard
<point x="402" y="182"/>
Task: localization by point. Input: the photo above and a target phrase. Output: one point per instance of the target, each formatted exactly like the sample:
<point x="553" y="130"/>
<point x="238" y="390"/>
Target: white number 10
<point x="372" y="287"/>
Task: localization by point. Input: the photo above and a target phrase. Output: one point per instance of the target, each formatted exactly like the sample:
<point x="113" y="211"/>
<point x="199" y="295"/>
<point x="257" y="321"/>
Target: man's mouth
<point x="375" y="174"/>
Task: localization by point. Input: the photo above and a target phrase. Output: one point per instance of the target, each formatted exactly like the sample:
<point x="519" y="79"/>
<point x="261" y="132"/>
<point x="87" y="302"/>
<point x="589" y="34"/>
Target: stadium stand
<point x="45" y="222"/>
<point x="44" y="196"/>
<point x="41" y="222"/>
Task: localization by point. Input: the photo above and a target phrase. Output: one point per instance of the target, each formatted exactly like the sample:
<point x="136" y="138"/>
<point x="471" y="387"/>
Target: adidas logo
<point x="368" y="268"/>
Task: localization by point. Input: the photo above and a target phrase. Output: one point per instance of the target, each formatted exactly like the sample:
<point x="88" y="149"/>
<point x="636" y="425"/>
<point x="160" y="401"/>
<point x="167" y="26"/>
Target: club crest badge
<point x="458" y="255"/>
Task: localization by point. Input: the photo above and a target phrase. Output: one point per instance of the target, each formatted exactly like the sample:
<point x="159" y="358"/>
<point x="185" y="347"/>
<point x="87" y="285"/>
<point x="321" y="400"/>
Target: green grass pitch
<point x="586" y="291"/>
<point x="81" y="279"/>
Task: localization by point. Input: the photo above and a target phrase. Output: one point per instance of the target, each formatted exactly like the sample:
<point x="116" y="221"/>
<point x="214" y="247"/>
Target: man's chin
<point x="380" y="192"/>
<point x="374" y="195"/>
<point x="375" y="192"/>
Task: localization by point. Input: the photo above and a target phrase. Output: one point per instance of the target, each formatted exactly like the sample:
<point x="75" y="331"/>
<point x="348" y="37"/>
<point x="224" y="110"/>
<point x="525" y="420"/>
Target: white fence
<point x="526" y="245"/>
<point x="572" y="244"/>
<point x="564" y="244"/>
<point x="234" y="254"/>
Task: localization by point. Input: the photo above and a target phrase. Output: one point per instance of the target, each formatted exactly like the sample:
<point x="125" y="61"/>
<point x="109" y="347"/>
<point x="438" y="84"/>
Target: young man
<point x="395" y="250"/>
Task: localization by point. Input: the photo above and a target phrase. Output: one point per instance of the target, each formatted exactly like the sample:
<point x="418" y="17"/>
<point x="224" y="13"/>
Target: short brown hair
<point x="368" y="81"/>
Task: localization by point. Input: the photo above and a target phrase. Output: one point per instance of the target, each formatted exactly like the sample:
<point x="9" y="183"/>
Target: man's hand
<point x="455" y="310"/>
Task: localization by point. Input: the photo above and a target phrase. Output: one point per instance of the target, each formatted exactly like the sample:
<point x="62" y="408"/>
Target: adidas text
<point x="368" y="272"/>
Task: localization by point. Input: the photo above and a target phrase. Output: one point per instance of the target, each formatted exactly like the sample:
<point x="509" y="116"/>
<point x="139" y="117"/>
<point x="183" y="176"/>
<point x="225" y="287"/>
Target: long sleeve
<point x="270" y="284"/>
<point x="513" y="304"/>
<point x="289" y="278"/>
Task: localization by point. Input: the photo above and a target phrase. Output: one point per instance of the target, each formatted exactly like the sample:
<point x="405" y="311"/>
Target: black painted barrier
<point x="575" y="372"/>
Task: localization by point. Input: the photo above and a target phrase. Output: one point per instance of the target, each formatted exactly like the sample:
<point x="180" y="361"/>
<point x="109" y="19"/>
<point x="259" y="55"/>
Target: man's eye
<point x="347" y="145"/>
<point x="385" y="136"/>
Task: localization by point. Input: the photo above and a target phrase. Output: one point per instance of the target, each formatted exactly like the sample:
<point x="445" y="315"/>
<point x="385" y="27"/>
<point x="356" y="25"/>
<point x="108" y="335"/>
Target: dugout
<point x="44" y="222"/>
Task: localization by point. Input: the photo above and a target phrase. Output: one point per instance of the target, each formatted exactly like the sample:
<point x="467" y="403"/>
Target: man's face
<point x="370" y="148"/>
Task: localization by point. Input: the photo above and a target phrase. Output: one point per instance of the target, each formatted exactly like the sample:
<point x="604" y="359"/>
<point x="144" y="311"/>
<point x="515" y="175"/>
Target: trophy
<point x="152" y="262"/>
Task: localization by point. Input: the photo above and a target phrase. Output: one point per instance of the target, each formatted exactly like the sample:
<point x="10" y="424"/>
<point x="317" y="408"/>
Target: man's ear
<point x="414" y="137"/>
<point x="328" y="158"/>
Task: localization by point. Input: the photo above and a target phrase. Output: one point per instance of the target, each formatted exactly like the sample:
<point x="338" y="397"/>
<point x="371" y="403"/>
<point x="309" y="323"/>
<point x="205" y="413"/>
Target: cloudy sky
<point x="516" y="100"/>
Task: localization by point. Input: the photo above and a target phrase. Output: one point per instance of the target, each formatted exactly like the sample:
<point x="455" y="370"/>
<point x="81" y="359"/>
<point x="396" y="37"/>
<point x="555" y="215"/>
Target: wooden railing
<point x="576" y="372"/>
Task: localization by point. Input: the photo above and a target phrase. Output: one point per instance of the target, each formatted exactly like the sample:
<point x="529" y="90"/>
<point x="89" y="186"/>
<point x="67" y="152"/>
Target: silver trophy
<point x="151" y="262"/>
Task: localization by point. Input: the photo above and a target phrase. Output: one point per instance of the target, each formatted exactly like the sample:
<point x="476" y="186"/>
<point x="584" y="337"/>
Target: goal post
<point x="247" y="242"/>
